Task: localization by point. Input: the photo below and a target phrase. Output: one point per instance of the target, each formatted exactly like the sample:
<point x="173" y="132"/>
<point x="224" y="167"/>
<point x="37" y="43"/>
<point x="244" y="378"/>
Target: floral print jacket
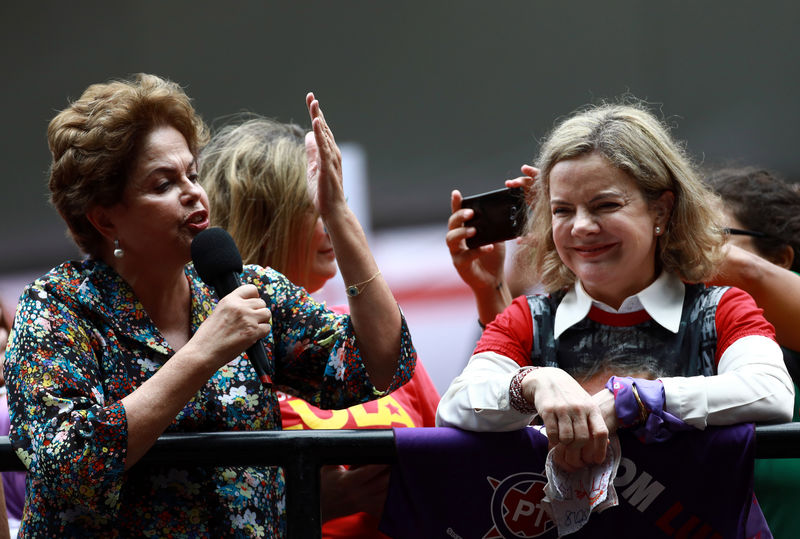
<point x="82" y="341"/>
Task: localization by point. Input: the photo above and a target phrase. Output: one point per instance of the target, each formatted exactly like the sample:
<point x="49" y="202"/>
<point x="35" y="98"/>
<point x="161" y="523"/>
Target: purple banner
<point x="457" y="484"/>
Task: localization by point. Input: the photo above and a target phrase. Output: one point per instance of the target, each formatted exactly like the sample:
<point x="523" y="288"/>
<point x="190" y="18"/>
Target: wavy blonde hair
<point x="630" y="138"/>
<point x="255" y="177"/>
<point x="96" y="139"/>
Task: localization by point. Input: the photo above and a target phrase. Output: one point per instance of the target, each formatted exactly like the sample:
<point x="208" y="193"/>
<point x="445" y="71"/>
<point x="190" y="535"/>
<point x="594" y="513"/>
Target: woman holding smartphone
<point x="622" y="238"/>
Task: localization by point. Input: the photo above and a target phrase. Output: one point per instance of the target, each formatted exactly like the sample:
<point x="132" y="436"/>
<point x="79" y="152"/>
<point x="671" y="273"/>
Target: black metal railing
<point x="301" y="453"/>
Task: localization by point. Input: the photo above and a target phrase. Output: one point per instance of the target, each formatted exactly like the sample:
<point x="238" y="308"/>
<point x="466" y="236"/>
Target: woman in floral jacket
<point x="110" y="352"/>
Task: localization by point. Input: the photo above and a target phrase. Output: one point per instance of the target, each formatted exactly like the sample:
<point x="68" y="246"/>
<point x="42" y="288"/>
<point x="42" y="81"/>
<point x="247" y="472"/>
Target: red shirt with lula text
<point x="412" y="405"/>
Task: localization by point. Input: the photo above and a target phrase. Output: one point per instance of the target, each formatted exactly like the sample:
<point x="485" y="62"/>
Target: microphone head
<point x="215" y="255"/>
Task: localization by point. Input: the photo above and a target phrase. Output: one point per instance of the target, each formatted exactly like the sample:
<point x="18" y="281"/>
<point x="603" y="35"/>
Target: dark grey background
<point x="440" y="94"/>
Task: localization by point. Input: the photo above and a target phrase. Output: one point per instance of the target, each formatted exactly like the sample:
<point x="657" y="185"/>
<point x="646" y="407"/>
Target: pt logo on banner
<point x="516" y="507"/>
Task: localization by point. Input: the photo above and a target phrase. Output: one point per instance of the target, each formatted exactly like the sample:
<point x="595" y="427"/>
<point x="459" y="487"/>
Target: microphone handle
<point x="256" y="352"/>
<point x="258" y="357"/>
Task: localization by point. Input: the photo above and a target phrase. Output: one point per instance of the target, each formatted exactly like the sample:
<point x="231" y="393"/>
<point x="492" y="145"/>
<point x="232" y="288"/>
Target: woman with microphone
<point x="110" y="352"/>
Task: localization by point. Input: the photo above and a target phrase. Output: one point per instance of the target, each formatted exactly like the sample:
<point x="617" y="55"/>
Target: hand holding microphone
<point x="218" y="262"/>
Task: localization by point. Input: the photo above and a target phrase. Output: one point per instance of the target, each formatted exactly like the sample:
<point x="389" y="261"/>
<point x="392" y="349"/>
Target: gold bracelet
<point x="643" y="412"/>
<point x="355" y="289"/>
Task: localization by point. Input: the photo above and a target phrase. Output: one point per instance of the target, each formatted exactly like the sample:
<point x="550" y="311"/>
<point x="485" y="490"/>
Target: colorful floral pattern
<point x="82" y="341"/>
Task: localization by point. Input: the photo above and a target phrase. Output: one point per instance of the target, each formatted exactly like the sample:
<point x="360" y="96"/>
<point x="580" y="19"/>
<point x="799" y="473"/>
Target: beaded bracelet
<point x="517" y="400"/>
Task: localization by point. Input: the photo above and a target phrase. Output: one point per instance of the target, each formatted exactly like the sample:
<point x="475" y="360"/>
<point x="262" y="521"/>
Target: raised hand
<point x="324" y="162"/>
<point x="482" y="268"/>
<point x="526" y="181"/>
<point x="479" y="268"/>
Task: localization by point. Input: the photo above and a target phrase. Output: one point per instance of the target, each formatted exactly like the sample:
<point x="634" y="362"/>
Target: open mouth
<point x="197" y="220"/>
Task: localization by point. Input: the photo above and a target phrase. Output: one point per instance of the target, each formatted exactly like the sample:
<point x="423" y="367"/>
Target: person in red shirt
<point x="621" y="237"/>
<point x="255" y="173"/>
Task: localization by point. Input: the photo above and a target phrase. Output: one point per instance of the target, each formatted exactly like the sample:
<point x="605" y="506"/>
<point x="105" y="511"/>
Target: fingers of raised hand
<point x="312" y="150"/>
<point x="522" y="181"/>
<point x="457" y="233"/>
<point x="314" y="109"/>
<point x="327" y="149"/>
<point x="526" y="182"/>
<point x="529" y="171"/>
<point x="318" y="118"/>
<point x="455" y="200"/>
<point x="454" y="238"/>
<point x="459" y="217"/>
<point x="315" y="113"/>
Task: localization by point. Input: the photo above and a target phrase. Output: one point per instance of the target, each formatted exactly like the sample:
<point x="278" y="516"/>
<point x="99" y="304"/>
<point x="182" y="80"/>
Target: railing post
<point x="301" y="474"/>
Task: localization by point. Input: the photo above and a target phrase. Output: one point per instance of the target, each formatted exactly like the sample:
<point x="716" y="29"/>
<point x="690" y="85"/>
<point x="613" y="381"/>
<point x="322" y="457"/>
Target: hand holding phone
<point x="499" y="215"/>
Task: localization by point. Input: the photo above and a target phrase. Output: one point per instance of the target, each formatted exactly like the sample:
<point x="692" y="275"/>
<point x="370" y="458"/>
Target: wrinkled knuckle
<point x="564" y="410"/>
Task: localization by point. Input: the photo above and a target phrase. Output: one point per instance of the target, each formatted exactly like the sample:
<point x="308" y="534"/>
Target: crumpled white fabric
<point x="570" y="498"/>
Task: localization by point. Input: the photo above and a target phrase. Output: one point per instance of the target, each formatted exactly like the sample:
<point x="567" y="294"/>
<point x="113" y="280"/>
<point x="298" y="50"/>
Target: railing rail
<point x="302" y="452"/>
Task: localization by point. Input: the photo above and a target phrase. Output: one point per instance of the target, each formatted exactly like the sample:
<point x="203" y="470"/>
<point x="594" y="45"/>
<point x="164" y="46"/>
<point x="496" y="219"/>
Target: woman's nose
<point x="584" y="223"/>
<point x="192" y="190"/>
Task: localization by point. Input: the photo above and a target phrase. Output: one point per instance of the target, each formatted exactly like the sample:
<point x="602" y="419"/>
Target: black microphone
<point x="218" y="262"/>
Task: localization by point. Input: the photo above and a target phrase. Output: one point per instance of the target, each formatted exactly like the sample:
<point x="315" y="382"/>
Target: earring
<point x="658" y="230"/>
<point x="118" y="252"/>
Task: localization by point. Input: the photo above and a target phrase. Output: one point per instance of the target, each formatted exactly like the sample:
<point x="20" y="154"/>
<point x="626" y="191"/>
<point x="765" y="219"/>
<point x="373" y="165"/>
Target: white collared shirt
<point x="752" y="383"/>
<point x="663" y="301"/>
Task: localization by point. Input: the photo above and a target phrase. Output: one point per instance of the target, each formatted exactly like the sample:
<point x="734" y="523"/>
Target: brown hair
<point x="95" y="140"/>
<point x="762" y="202"/>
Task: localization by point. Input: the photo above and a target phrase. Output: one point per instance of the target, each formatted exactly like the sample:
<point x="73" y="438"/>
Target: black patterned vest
<point x="589" y="346"/>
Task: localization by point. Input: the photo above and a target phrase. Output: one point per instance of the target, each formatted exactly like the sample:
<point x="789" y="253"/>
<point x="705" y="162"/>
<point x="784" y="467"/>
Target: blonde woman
<point x="255" y="173"/>
<point x="627" y="335"/>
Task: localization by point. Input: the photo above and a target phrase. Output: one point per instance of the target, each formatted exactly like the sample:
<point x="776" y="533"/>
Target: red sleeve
<point x="738" y="316"/>
<point x="510" y="334"/>
<point x="427" y="397"/>
<point x="423" y="397"/>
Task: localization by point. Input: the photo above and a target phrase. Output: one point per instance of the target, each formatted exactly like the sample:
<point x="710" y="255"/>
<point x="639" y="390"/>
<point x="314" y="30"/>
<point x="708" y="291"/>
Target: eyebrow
<point x="599" y="196"/>
<point x="171" y="168"/>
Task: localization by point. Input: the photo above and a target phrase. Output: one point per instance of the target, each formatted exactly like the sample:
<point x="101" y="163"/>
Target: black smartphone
<point x="499" y="215"/>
